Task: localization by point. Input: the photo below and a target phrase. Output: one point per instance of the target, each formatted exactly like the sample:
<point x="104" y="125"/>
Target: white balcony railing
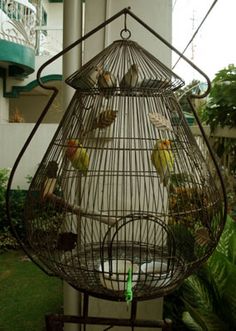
<point x="227" y="138"/>
<point x="20" y="23"/>
<point x="17" y="22"/>
<point x="49" y="40"/>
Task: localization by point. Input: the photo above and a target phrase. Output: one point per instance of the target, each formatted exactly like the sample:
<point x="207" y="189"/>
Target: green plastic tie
<point x="129" y="291"/>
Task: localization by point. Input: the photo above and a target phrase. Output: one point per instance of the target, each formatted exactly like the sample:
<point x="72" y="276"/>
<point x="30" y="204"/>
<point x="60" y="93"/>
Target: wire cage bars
<point x="124" y="204"/>
<point x="123" y="186"/>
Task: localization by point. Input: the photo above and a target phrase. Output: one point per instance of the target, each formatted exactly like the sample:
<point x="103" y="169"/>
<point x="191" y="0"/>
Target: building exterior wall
<point x="156" y="13"/>
<point x="13" y="137"/>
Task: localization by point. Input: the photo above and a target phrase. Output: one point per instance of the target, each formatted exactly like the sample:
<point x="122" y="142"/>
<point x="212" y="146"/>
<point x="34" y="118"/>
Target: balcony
<point x="17" y="37"/>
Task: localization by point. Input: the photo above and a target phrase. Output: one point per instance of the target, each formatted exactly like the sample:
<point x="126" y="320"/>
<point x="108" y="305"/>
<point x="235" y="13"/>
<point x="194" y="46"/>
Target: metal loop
<point x="123" y="32"/>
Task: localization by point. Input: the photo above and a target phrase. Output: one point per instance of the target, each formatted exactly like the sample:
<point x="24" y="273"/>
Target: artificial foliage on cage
<point x="124" y="199"/>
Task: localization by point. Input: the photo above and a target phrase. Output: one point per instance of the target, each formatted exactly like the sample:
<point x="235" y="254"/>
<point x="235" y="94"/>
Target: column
<point x="4" y="106"/>
<point x="72" y="30"/>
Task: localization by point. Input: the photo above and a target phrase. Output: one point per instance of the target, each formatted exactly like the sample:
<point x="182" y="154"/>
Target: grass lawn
<point x="26" y="294"/>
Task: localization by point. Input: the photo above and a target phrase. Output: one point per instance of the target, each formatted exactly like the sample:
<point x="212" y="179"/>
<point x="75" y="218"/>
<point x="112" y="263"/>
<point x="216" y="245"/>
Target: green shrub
<point x="206" y="299"/>
<point x="17" y="198"/>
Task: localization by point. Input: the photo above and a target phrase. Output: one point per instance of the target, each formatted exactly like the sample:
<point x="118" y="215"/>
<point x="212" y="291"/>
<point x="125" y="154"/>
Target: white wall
<point x="156" y="13"/>
<point x="55" y="13"/>
<point x="31" y="106"/>
<point x="53" y="40"/>
<point x="13" y="137"/>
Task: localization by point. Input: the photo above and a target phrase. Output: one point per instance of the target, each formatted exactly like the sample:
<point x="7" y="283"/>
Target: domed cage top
<point x="125" y="66"/>
<point x="124" y="204"/>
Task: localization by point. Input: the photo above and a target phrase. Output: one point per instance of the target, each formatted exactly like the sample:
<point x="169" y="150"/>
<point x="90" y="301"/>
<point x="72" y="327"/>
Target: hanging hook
<point x="125" y="21"/>
<point x="125" y="33"/>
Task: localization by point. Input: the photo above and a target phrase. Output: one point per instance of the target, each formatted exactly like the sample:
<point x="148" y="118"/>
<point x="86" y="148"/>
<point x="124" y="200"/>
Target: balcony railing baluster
<point x="17" y="22"/>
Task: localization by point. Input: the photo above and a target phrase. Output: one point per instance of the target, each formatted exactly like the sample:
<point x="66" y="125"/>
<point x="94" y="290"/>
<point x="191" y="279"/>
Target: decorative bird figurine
<point x="105" y="119"/>
<point x="77" y="155"/>
<point x="130" y="79"/>
<point x="90" y="79"/>
<point x="51" y="179"/>
<point x="163" y="160"/>
<point x="106" y="79"/>
<point x="106" y="82"/>
<point x="87" y="80"/>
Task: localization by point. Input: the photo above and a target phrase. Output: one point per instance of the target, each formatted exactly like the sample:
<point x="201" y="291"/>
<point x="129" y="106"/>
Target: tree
<point x="220" y="108"/>
<point x="220" y="111"/>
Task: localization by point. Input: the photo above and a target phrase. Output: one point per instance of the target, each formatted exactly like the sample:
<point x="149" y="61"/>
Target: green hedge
<point x="17" y="199"/>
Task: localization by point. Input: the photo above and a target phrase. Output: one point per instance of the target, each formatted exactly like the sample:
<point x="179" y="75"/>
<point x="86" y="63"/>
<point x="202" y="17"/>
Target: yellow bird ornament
<point x="77" y="155"/>
<point x="162" y="159"/>
<point x="130" y="79"/>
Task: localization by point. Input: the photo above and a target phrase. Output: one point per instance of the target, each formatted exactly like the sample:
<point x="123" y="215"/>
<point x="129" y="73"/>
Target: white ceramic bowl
<point x="116" y="281"/>
<point x="155" y="274"/>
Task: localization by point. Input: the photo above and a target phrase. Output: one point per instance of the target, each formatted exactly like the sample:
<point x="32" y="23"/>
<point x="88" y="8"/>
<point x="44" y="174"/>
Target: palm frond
<point x="224" y="243"/>
<point x="206" y="320"/>
<point x="199" y="302"/>
<point x="190" y="322"/>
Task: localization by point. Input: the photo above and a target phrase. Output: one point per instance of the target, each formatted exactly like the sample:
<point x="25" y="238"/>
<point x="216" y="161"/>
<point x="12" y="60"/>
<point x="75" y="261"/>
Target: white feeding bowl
<point x="155" y="273"/>
<point x="115" y="274"/>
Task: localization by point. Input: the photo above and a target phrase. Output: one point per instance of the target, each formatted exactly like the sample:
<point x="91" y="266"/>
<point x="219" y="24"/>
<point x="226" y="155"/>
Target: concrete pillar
<point x="4" y="106"/>
<point x="72" y="30"/>
<point x="156" y="13"/>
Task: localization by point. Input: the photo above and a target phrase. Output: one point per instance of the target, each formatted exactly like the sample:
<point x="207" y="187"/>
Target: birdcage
<point x="124" y="204"/>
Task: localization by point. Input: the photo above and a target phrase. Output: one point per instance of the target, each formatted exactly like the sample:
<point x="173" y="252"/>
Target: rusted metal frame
<point x="56" y="322"/>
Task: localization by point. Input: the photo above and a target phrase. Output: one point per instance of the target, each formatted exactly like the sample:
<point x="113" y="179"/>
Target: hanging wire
<point x="125" y="33"/>
<point x="173" y="7"/>
<point x="195" y="33"/>
<point x="125" y="21"/>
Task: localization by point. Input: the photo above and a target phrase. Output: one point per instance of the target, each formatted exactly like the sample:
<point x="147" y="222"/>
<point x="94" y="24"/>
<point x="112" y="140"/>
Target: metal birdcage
<point x="124" y="204"/>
